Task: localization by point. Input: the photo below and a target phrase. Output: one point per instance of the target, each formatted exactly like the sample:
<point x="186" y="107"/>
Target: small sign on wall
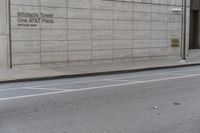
<point x="175" y="42"/>
<point x="29" y="19"/>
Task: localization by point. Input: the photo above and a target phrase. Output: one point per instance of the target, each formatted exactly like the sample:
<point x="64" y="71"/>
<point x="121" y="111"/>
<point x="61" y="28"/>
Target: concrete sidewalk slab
<point x="43" y="73"/>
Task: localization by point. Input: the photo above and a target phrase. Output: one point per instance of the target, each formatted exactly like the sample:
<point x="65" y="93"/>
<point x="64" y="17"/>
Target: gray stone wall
<point x="3" y="34"/>
<point x="76" y="32"/>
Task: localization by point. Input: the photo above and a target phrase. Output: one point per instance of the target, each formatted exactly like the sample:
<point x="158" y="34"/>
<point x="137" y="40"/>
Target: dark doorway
<point x="195" y="24"/>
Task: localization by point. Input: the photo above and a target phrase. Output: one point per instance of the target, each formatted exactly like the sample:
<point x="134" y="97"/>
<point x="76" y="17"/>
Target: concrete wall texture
<point x="4" y="36"/>
<point x="76" y="32"/>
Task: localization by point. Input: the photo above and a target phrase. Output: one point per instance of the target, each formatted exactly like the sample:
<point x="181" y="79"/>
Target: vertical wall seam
<point x="113" y="41"/>
<point x="91" y="33"/>
<point x="67" y="54"/>
<point x="40" y="29"/>
<point x="150" y="39"/>
<point x="132" y="32"/>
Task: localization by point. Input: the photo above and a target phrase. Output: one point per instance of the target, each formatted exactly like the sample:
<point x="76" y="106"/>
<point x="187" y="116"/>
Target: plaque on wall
<point x="175" y="42"/>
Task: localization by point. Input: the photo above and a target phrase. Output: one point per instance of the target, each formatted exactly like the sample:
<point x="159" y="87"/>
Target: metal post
<point x="10" y="45"/>
<point x="184" y="29"/>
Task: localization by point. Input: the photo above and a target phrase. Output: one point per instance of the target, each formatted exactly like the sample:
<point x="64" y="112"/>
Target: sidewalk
<point x="25" y="74"/>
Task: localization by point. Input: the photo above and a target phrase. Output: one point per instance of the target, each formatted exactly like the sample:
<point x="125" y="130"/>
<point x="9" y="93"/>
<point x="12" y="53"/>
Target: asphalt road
<point x="158" y="101"/>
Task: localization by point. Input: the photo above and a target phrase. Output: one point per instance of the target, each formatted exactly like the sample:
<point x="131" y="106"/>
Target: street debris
<point x="155" y="107"/>
<point x="177" y="103"/>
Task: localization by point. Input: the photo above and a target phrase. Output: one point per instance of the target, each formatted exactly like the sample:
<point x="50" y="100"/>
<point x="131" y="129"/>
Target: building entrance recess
<point x="195" y="25"/>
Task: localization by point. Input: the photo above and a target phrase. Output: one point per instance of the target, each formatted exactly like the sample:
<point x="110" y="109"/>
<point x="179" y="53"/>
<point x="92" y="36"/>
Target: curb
<point x="97" y="73"/>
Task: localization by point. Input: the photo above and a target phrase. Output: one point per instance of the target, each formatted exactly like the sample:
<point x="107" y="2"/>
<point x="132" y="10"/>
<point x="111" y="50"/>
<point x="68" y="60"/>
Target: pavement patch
<point x="85" y="85"/>
<point x="21" y="92"/>
<point x="150" y="77"/>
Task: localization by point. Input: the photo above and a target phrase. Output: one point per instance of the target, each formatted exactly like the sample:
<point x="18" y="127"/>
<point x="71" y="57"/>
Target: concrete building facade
<point x="36" y="33"/>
